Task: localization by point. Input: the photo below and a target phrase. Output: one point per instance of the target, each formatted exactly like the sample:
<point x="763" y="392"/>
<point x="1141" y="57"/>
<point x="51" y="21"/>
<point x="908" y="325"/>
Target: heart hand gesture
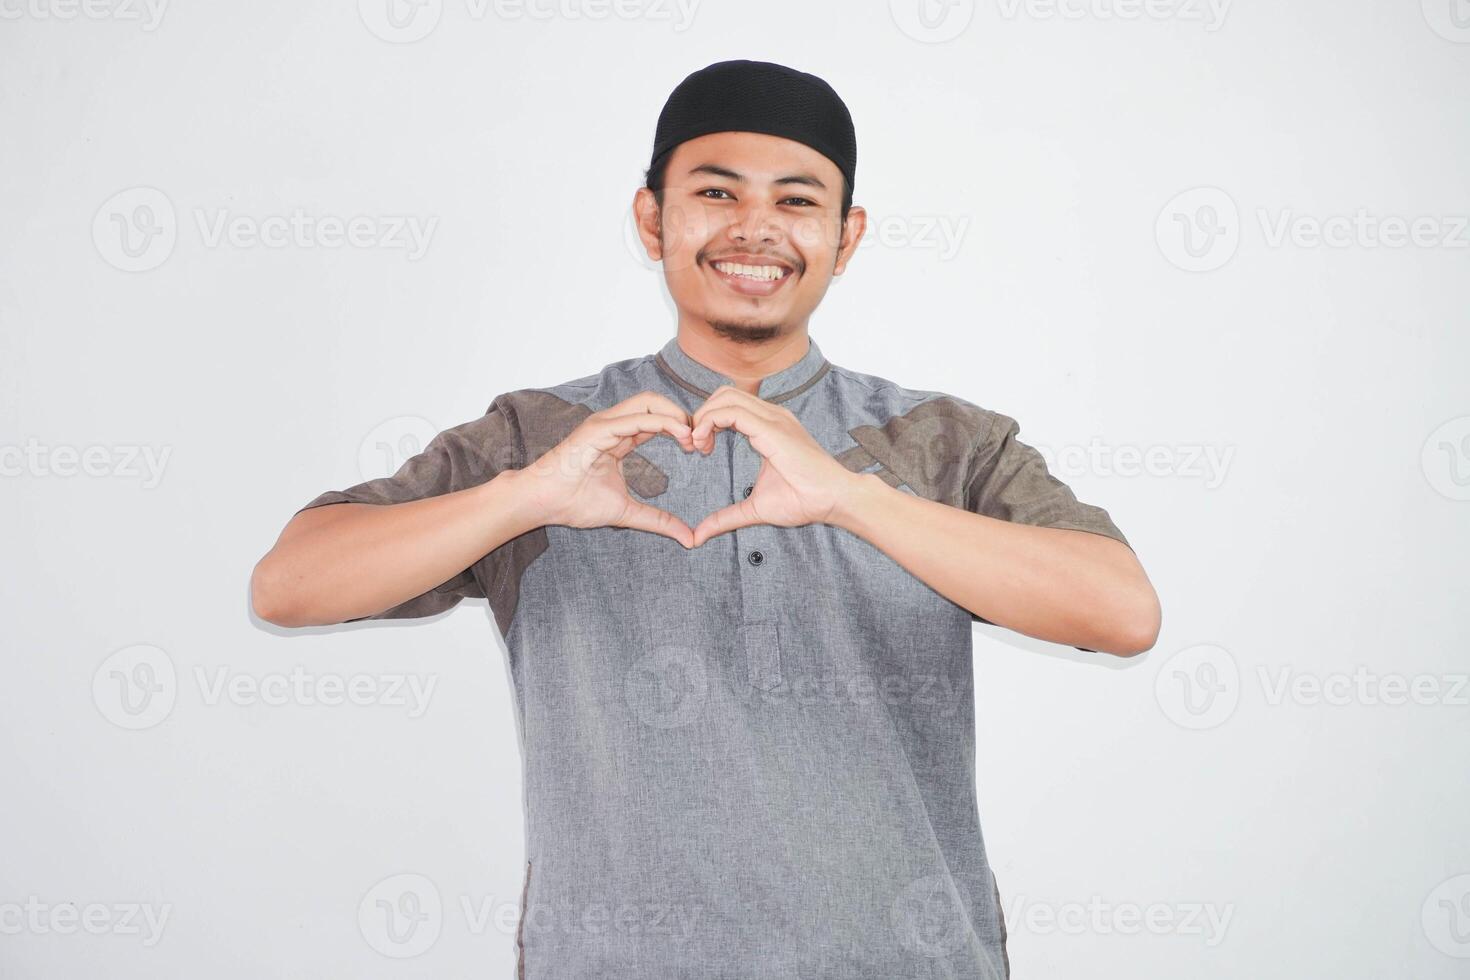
<point x="799" y="482"/>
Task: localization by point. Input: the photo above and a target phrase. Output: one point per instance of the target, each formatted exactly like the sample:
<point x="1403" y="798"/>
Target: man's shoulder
<point x="885" y="399"/>
<point x="539" y="417"/>
<point x="593" y="392"/>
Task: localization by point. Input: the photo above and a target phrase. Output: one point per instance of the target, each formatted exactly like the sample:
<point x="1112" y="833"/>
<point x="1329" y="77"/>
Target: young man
<point x="737" y="584"/>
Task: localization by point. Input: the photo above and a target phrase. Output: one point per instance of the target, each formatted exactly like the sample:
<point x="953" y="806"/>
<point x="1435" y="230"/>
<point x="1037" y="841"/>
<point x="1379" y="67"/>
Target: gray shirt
<point x="755" y="758"/>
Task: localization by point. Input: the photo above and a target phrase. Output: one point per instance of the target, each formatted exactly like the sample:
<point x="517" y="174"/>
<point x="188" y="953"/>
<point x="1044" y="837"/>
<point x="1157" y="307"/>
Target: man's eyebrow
<point x="716" y="170"/>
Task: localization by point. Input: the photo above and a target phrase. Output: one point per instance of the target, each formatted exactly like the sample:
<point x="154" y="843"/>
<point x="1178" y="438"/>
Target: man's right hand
<point x="579" y="482"/>
<point x="346" y="561"/>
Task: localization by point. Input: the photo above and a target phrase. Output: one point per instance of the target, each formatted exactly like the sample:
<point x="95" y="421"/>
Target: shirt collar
<point x="693" y="376"/>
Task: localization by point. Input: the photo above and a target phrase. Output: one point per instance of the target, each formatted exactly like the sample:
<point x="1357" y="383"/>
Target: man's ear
<point x="852" y="233"/>
<point x="646" y="216"/>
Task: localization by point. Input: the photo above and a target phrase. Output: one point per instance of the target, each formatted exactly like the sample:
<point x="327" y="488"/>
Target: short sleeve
<point x="458" y="458"/>
<point x="1009" y="480"/>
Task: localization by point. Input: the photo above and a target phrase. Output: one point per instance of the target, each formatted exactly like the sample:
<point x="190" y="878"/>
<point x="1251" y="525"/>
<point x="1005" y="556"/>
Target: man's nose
<point x="756" y="220"/>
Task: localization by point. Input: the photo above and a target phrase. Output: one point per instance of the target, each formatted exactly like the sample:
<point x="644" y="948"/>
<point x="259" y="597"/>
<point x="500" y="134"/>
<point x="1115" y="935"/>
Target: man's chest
<point x="814" y="603"/>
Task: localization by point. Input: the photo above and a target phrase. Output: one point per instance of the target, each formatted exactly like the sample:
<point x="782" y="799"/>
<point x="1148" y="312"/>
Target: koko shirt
<point x="755" y="758"/>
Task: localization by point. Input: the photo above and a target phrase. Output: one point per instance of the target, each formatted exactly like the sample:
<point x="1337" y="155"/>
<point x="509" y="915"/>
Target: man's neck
<point x="744" y="363"/>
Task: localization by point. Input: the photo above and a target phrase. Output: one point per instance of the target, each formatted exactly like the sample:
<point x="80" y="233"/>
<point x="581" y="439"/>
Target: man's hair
<point x="654" y="181"/>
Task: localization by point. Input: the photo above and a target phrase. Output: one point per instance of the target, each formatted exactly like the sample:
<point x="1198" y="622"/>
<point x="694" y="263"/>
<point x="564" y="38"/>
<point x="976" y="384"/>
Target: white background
<point x="1263" y="831"/>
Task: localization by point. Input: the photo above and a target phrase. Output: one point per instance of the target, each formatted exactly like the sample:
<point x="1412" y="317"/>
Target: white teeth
<point x="761" y="272"/>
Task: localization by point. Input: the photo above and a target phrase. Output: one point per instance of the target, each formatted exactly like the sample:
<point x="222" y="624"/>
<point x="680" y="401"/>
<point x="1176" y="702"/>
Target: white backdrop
<point x="1213" y="256"/>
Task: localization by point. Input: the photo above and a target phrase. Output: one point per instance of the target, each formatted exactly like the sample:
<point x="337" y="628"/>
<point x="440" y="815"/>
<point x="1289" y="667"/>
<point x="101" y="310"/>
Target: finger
<point x="730" y="395"/>
<point x="604" y="418"/>
<point x="613" y="435"/>
<point x="645" y="517"/>
<point x="631" y="443"/>
<point x="730" y="416"/>
<point x="643" y="437"/>
<point x="649" y="401"/>
<point x="724" y="520"/>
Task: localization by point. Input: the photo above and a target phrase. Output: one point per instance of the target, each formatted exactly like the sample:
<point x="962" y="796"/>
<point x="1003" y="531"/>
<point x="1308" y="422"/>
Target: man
<point x="737" y="584"/>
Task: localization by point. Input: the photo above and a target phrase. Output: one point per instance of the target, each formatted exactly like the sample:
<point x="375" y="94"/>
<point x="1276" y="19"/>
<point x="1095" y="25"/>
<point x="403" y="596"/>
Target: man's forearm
<point x="1073" y="587"/>
<point x="343" y="561"/>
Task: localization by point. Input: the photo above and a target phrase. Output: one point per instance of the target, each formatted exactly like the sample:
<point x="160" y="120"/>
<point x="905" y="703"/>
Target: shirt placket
<point x="757" y="549"/>
<point x="755" y="555"/>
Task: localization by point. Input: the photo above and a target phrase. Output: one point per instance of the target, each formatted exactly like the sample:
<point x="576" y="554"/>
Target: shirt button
<point x="747" y="491"/>
<point x="755" y="558"/>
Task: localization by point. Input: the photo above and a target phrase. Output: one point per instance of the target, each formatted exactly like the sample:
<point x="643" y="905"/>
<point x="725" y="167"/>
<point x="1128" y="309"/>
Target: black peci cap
<point x="758" y="97"/>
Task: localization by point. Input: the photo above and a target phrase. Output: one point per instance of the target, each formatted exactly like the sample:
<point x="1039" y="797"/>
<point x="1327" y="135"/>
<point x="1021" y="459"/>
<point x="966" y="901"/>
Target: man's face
<point x="750" y="233"/>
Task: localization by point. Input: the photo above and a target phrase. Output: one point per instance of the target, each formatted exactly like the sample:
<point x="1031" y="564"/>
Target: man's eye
<point x="801" y="201"/>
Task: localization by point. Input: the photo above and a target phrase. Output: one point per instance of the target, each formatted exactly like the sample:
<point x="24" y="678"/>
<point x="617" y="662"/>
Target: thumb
<point x="724" y="520"/>
<point x="645" y="517"/>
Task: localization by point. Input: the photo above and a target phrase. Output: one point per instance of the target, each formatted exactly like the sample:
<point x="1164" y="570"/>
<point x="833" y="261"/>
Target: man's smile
<point x="751" y="276"/>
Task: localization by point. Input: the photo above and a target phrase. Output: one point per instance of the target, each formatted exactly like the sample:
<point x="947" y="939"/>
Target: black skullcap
<point x="758" y="97"/>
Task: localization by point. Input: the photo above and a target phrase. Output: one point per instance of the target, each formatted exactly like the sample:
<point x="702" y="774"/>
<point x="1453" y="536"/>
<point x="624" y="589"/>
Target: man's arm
<point x="1074" y="587"/>
<point x="346" y="561"/>
<point x="1060" y="584"/>
<point x="399" y="538"/>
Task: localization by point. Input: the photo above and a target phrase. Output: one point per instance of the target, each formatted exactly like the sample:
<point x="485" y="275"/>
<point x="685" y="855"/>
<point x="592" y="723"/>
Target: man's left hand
<point x="799" y="482"/>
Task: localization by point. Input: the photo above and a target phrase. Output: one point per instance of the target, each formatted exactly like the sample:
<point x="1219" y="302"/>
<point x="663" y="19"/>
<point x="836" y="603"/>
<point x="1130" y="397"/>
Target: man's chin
<point x="746" y="331"/>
